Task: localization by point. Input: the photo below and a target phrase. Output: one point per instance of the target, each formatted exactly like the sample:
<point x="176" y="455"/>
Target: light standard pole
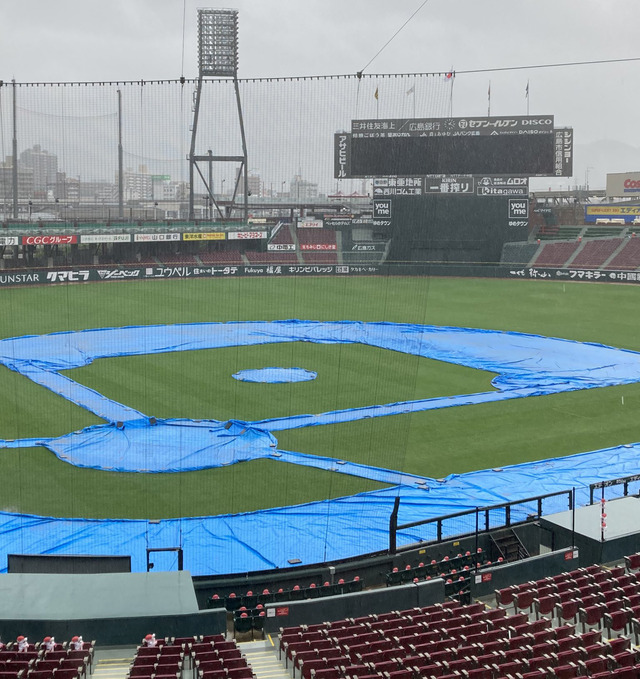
<point x="586" y="177"/>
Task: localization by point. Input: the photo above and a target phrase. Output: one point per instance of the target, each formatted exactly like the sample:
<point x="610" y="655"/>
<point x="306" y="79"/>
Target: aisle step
<point x="263" y="660"/>
<point x="111" y="668"/>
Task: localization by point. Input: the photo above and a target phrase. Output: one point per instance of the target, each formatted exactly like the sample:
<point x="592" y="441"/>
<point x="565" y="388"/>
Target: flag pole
<point x="489" y="101"/>
<point x="453" y="77"/>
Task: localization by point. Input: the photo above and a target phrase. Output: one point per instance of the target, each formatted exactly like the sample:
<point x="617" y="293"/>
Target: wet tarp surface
<point x="276" y="375"/>
<point x="320" y="531"/>
<point x="132" y="441"/>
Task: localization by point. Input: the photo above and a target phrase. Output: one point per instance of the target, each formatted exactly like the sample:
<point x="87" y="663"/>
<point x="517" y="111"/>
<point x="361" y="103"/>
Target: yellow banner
<point x="610" y="210"/>
<point x="212" y="235"/>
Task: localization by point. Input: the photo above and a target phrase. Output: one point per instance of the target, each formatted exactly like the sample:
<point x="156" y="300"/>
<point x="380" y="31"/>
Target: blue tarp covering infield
<point x="525" y="365"/>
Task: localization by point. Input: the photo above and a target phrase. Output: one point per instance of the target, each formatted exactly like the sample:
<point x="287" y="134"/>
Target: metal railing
<point x="484" y="519"/>
<point x="601" y="485"/>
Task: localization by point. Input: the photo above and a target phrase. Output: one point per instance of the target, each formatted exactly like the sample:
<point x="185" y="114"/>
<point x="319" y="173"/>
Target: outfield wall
<point x="45" y="276"/>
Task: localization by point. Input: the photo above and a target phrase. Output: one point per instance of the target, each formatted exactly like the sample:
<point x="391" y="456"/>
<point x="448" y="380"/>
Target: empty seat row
<point x="452" y="563"/>
<point x="250" y="600"/>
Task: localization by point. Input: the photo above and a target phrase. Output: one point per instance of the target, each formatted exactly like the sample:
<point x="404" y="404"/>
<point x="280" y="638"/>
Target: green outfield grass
<point x="198" y="385"/>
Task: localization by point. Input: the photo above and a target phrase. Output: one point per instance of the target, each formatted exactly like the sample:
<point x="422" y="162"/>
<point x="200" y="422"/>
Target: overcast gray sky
<point x="87" y="40"/>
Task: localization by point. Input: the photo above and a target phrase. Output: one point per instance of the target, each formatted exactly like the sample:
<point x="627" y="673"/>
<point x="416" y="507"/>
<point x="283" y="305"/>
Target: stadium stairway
<point x="112" y="663"/>
<point x="296" y="242"/>
<point x="535" y="255"/>
<point x="575" y="253"/>
<point x="615" y="253"/>
<point x="263" y="660"/>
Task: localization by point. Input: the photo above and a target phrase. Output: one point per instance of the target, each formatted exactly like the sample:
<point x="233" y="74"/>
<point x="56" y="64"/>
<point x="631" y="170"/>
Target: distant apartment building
<point x="44" y="168"/>
<point x="25" y="181"/>
<point x="98" y="192"/>
<point x="301" y="190"/>
<point x="137" y="185"/>
<point x="254" y="182"/>
<point x="164" y="189"/>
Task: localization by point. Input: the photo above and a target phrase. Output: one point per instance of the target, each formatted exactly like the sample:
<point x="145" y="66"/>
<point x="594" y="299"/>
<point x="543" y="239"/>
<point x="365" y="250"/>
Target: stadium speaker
<point x="152" y="421"/>
<point x="119" y="425"/>
<point x="228" y="425"/>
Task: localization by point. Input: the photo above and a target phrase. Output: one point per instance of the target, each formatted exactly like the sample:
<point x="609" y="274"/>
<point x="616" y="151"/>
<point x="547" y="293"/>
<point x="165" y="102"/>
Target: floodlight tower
<point x="218" y="58"/>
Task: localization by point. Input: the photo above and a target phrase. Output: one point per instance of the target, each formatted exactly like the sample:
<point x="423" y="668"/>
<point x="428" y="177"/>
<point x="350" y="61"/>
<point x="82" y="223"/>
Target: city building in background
<point x="43" y="166"/>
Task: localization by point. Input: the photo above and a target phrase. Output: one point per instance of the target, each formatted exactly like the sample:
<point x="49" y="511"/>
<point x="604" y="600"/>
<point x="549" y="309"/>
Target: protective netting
<point x="68" y="134"/>
<point x="68" y="138"/>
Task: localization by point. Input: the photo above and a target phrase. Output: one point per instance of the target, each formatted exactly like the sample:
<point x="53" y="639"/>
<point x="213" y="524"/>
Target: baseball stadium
<point x="369" y="411"/>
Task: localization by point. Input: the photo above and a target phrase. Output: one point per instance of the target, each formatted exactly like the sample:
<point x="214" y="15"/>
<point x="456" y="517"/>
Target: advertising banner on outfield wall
<point x="155" y="237"/>
<point x="8" y="240"/>
<point x="368" y="247"/>
<point x="623" y="184"/>
<point x="246" y="235"/>
<point x="44" y="276"/>
<point x="318" y="246"/>
<point x="352" y="221"/>
<point x="79" y="275"/>
<point x="49" y="240"/>
<point x="105" y="238"/>
<point x="281" y="247"/>
<point x="575" y="275"/>
<point x="213" y="235"/>
<point x="310" y="224"/>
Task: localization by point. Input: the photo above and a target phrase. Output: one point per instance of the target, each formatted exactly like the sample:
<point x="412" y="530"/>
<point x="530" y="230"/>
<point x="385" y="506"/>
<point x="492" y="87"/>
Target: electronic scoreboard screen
<point x="517" y="145"/>
<point x="410" y="156"/>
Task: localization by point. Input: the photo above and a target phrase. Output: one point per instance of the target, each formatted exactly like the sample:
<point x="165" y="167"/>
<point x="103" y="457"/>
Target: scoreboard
<point x="516" y="145"/>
